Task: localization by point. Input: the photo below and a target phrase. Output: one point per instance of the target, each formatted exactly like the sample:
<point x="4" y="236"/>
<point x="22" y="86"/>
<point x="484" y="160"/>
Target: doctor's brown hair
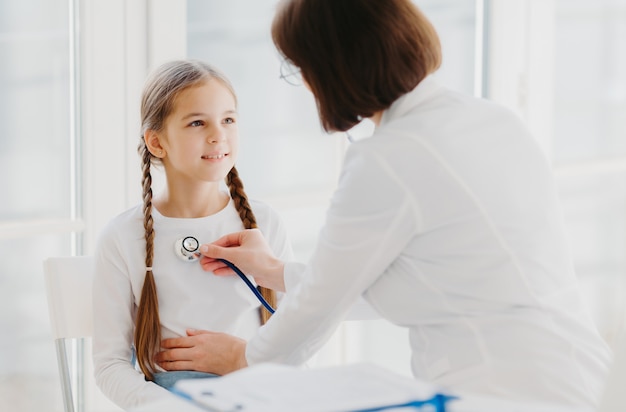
<point x="357" y="56"/>
<point x="158" y="100"/>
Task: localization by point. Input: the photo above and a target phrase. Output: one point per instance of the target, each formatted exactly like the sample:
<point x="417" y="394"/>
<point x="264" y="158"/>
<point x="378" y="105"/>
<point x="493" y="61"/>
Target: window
<point x="38" y="211"/>
<point x="561" y="65"/>
<point x="589" y="149"/>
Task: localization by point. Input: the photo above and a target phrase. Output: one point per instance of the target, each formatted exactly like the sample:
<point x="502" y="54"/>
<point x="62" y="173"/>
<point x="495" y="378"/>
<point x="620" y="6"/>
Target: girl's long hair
<point x="157" y="102"/>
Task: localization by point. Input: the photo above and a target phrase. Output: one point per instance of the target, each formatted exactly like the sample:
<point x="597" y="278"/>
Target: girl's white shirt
<point x="447" y="222"/>
<point x="188" y="296"/>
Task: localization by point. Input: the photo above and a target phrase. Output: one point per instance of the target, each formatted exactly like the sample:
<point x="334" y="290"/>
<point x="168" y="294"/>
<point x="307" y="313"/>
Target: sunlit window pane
<point x="594" y="206"/>
<point x="455" y="22"/>
<point x="590" y="85"/>
<point x="283" y="149"/>
<point x="34" y="109"/>
<point x="589" y="146"/>
<point x="34" y="186"/>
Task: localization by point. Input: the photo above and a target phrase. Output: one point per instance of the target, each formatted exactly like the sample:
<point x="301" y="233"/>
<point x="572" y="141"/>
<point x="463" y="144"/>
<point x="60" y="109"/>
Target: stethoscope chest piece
<point x="187" y="248"/>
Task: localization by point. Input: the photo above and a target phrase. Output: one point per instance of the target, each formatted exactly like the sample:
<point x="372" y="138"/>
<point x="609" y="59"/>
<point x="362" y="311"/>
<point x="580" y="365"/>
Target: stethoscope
<point x="188" y="249"/>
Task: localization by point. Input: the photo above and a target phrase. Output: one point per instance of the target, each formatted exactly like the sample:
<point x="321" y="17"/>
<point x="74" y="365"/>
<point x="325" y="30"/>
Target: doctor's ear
<point x="153" y="143"/>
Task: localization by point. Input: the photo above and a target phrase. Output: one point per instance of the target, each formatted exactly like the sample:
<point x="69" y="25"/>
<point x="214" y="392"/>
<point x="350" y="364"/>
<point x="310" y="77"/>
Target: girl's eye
<point x="229" y="120"/>
<point x="196" y="123"/>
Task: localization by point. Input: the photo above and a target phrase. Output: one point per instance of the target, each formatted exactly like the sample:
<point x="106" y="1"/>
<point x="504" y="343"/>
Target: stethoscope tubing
<point x="249" y="284"/>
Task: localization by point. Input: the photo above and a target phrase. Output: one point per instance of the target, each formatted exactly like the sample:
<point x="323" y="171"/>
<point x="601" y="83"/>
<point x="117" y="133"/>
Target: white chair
<point x="68" y="286"/>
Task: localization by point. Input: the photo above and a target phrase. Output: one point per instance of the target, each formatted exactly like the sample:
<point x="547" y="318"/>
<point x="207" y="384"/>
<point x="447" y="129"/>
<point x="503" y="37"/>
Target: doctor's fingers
<point x="236" y="245"/>
<point x="216" y="266"/>
<point x="218" y="252"/>
<point x="235" y="238"/>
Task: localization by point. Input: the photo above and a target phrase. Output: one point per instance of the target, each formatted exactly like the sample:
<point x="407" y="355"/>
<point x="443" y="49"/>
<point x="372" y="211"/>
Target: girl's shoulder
<point x="128" y="216"/>
<point x="273" y="228"/>
<point x="126" y="223"/>
<point x="266" y="215"/>
<point x="263" y="210"/>
<point x="260" y="206"/>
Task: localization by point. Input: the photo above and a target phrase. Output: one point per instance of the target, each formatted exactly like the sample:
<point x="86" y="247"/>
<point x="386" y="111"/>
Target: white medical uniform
<point x="188" y="296"/>
<point x="447" y="221"/>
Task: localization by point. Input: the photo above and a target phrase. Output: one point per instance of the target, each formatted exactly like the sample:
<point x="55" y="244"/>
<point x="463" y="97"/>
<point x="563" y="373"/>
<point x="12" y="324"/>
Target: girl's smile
<point x="214" y="157"/>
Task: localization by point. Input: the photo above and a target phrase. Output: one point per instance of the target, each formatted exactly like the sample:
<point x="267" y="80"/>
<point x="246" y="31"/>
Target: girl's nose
<point x="215" y="135"/>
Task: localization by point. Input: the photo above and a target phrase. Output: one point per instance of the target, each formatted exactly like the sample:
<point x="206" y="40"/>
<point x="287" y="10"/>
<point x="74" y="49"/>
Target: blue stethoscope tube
<point x="187" y="249"/>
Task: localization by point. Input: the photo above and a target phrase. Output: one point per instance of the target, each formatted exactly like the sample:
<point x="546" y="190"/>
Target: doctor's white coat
<point x="447" y="221"/>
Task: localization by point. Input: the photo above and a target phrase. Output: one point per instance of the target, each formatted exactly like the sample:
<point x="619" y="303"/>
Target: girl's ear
<point x="153" y="143"/>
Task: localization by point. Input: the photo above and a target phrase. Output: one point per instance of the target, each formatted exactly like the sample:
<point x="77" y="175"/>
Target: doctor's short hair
<point x="357" y="56"/>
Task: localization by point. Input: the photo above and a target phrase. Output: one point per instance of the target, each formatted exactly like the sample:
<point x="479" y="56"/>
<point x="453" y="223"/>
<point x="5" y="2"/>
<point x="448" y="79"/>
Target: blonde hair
<point x="157" y="103"/>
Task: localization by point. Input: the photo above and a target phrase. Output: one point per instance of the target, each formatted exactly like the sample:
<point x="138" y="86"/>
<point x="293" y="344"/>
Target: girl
<point x="145" y="288"/>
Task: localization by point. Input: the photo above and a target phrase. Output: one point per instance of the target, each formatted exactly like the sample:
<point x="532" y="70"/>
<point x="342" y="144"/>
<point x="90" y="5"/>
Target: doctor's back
<point x="485" y="282"/>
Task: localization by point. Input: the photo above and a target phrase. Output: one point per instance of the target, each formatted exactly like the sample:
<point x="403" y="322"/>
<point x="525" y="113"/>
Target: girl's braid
<point x="242" y="205"/>
<point x="148" y="329"/>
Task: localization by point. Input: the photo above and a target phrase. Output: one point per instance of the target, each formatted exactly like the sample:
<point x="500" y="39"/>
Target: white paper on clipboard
<point x="280" y="388"/>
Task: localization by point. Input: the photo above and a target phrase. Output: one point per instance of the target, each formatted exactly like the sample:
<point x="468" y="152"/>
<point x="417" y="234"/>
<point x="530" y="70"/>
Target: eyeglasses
<point x="290" y="73"/>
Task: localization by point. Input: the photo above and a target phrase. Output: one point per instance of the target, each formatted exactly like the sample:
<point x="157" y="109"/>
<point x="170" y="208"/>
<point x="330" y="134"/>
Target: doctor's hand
<point x="249" y="251"/>
<point x="203" y="351"/>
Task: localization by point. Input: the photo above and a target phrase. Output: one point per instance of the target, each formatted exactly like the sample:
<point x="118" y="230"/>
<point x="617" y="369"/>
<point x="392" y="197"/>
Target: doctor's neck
<point x="376" y="118"/>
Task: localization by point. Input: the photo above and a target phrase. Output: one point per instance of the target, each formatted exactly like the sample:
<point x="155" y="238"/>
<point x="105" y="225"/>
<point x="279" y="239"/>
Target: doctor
<point x="446" y="220"/>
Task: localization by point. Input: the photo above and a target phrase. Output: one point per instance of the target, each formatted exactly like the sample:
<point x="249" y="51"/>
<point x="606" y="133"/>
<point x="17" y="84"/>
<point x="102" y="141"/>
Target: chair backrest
<point x="68" y="283"/>
<point x="68" y="286"/>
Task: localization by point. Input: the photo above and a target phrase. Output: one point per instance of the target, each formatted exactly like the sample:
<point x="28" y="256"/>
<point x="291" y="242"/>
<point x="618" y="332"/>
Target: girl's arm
<point x="114" y="307"/>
